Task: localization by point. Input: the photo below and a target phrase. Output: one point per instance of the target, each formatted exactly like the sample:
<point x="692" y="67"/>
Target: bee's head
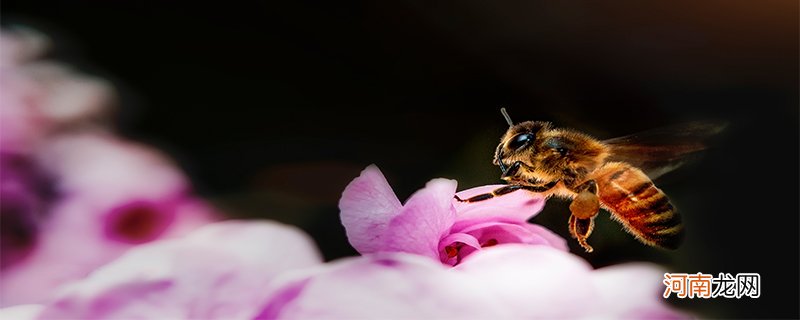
<point x="519" y="143"/>
<point x="547" y="151"/>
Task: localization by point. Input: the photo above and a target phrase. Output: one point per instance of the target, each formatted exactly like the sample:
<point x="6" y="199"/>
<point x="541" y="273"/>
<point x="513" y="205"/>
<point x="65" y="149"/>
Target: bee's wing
<point x="662" y="150"/>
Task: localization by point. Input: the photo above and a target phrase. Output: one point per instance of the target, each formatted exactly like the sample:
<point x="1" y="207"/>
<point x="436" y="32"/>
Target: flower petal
<point x="217" y="272"/>
<point x="383" y="286"/>
<point x="23" y="203"/>
<point x="22" y="312"/>
<point x="80" y="221"/>
<point x="553" y="239"/>
<point x="638" y="301"/>
<point x="423" y="220"/>
<point x="503" y="232"/>
<point x="41" y="97"/>
<point x="517" y="206"/>
<point x="534" y="281"/>
<point x="113" y="194"/>
<point x="367" y="206"/>
<point x="281" y="247"/>
<point x="110" y="169"/>
<point x="463" y="244"/>
<point x="542" y="282"/>
<point x="20" y="44"/>
<point x="464" y="238"/>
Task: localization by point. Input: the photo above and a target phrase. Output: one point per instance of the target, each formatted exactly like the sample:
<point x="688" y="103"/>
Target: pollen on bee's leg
<point x="489" y="243"/>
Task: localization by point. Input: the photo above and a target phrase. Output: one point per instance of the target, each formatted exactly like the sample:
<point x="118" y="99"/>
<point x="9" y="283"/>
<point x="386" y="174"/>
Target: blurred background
<point x="272" y="108"/>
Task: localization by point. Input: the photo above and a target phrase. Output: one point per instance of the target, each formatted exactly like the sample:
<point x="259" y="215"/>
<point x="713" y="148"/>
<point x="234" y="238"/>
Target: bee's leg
<point x="509" y="189"/>
<point x="581" y="229"/>
<point x="584" y="208"/>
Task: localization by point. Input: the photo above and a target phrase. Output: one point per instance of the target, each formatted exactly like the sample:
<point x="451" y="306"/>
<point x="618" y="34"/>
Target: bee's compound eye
<point x="520" y="141"/>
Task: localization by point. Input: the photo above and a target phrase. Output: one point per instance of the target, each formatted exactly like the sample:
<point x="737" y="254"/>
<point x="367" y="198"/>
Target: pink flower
<point x="507" y="282"/>
<point x="246" y="270"/>
<point x="23" y="201"/>
<point x="433" y="224"/>
<point x="220" y="271"/>
<point x="538" y="282"/>
<point x="21" y="312"/>
<point x="108" y="195"/>
<point x="20" y="45"/>
<point x="113" y="195"/>
<point x="39" y="98"/>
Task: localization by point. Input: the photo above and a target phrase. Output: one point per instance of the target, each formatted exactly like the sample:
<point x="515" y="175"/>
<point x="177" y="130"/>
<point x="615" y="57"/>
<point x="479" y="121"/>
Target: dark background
<point x="273" y="108"/>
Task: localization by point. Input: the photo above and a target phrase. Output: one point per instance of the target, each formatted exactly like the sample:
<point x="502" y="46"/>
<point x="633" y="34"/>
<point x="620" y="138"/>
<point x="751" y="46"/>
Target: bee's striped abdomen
<point x="636" y="202"/>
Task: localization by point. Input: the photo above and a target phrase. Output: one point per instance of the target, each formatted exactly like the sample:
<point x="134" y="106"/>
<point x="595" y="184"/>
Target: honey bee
<point x="612" y="174"/>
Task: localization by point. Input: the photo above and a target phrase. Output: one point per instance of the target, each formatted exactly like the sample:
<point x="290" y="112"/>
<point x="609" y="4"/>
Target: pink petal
<point x="20" y="45"/>
<point x="383" y="286"/>
<point x="423" y="220"/>
<point x="518" y="206"/>
<point x="81" y="221"/>
<point x="260" y="242"/>
<point x="217" y="272"/>
<point x="513" y="233"/>
<point x="22" y="312"/>
<point x="469" y="244"/>
<point x="70" y="97"/>
<point x="135" y="191"/>
<point x="55" y="260"/>
<point x="464" y="238"/>
<point x="110" y="169"/>
<point x="40" y="98"/>
<point x="553" y="239"/>
<point x="21" y="126"/>
<point x="114" y="194"/>
<point x="639" y="301"/>
<point x="542" y="282"/>
<point x="23" y="203"/>
<point x="535" y="282"/>
<point x="367" y="206"/>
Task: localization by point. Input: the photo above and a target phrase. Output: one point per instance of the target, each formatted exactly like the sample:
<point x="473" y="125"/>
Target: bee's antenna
<point x="505" y="115"/>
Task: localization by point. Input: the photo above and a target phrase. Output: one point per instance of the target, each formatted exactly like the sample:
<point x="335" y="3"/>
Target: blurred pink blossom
<point x="220" y="271"/>
<point x="106" y="195"/>
<point x="515" y="281"/>
<point x="21" y="312"/>
<point x="21" y="45"/>
<point x="432" y="223"/>
<point x="23" y="193"/>
<point x="39" y="98"/>
<point x="113" y="195"/>
<point x="246" y="270"/>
